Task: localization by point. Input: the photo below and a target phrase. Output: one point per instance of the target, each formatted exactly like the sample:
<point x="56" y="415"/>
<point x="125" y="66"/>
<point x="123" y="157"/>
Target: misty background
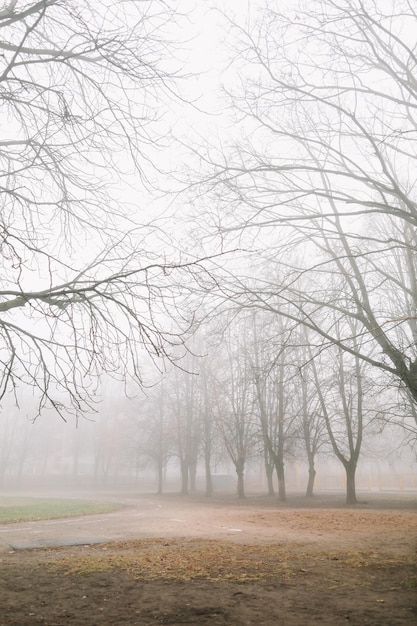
<point x="208" y="238"/>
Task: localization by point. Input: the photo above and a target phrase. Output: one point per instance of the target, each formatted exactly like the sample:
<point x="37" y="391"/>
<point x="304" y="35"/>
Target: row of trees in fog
<point x="294" y="265"/>
<point x="249" y="396"/>
<point x="256" y="392"/>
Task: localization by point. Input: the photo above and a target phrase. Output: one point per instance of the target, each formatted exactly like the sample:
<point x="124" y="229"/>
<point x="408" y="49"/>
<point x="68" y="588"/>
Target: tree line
<point x="252" y="390"/>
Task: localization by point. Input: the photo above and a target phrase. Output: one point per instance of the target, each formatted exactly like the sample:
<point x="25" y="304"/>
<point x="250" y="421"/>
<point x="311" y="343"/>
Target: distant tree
<point x="183" y="401"/>
<point x="86" y="287"/>
<point x="235" y="416"/>
<point x="313" y="428"/>
<point x="211" y="391"/>
<point x="148" y="437"/>
<point x="159" y="444"/>
<point x="341" y="382"/>
<point x="273" y="374"/>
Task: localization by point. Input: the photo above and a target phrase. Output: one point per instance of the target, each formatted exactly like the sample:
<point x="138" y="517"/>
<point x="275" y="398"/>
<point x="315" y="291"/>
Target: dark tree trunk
<point x="240" y="482"/>
<point x="269" y="471"/>
<point x="311" y="478"/>
<point x="193" y="477"/>
<point x="282" y="496"/>
<point x="350" y="483"/>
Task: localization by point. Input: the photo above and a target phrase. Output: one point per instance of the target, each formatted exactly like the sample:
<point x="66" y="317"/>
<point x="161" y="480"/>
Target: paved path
<point x="144" y="518"/>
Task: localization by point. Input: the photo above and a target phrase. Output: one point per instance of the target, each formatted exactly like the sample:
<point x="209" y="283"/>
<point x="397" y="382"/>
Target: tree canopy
<point x="89" y="281"/>
<point x="323" y="173"/>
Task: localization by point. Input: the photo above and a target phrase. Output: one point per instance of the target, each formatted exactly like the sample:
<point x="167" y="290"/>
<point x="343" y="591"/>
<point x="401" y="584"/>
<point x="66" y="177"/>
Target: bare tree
<point x="86" y="287"/>
<point x="273" y="377"/>
<point x="312" y="425"/>
<point x="186" y="420"/>
<point x="341" y="385"/>
<point x="149" y="438"/>
<point x="327" y="101"/>
<point x="211" y="391"/>
<point x="235" y="417"/>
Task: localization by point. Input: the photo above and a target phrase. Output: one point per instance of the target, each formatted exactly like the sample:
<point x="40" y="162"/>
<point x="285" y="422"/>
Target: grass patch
<point x="32" y="509"/>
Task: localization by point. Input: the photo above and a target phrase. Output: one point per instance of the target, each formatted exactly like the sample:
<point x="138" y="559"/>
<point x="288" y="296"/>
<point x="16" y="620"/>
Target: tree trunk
<point x="310" y="483"/>
<point x="193" y="477"/>
<point x="209" y="482"/>
<point x="184" y="477"/>
<point x="282" y="496"/>
<point x="350" y="483"/>
<point x="269" y="470"/>
<point x="240" y="482"/>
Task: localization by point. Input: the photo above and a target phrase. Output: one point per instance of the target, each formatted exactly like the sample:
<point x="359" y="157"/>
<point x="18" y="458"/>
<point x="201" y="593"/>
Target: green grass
<point x="30" y="509"/>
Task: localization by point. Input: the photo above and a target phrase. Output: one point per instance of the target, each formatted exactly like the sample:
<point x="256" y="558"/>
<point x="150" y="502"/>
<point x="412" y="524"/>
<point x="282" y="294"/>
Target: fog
<point x="116" y="450"/>
<point x="208" y="242"/>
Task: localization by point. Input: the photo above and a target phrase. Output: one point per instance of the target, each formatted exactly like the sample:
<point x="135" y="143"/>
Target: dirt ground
<point x="178" y="561"/>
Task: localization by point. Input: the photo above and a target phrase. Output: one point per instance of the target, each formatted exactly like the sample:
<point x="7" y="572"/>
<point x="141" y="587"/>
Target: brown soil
<point x="187" y="561"/>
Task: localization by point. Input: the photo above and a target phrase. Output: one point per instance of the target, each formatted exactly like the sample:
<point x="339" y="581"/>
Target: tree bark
<point x="282" y="495"/>
<point x="351" y="483"/>
<point x="269" y="470"/>
<point x="193" y="477"/>
<point x="311" y="478"/>
<point x="240" y="482"/>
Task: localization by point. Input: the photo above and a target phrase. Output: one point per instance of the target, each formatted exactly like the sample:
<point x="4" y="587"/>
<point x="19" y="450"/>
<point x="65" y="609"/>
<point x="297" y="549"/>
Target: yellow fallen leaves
<point x="182" y="560"/>
<point x="215" y="561"/>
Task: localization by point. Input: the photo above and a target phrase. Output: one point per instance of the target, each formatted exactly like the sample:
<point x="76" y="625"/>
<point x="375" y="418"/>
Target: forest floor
<point x="172" y="560"/>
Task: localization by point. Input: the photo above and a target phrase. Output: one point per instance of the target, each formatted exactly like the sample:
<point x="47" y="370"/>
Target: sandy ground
<point x="251" y="562"/>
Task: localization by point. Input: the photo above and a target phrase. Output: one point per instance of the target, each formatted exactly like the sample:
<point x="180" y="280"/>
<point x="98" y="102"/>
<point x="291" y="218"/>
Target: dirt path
<point x="181" y="561"/>
<point x="145" y="517"/>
